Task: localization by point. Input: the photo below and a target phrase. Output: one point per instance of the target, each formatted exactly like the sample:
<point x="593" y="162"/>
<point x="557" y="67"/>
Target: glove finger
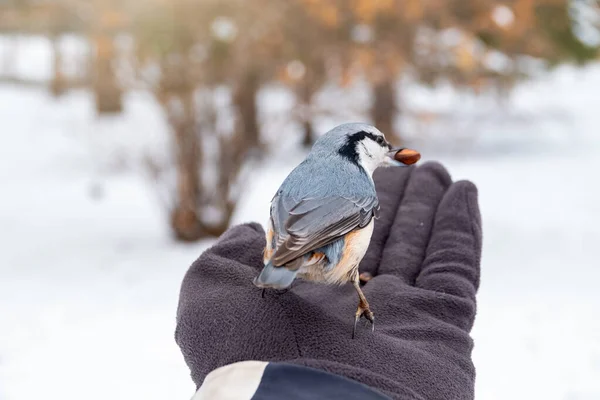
<point x="409" y="235"/>
<point x="452" y="261"/>
<point x="242" y="243"/>
<point x="390" y="184"/>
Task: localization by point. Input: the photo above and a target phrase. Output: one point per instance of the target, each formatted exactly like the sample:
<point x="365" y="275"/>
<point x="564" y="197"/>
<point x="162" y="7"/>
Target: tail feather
<point x="275" y="277"/>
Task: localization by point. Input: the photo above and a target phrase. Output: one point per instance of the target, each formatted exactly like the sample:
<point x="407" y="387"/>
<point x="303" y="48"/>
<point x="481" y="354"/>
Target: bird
<point x="322" y="216"/>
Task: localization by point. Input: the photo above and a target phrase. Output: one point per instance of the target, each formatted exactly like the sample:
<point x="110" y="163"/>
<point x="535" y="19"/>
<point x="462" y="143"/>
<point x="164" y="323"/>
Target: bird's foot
<point x="363" y="312"/>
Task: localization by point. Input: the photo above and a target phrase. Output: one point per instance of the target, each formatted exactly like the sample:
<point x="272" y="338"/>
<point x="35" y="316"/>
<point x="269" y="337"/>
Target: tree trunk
<point x="308" y="133"/>
<point x="232" y="155"/>
<point x="106" y="88"/>
<point x="245" y="103"/>
<point x="176" y="93"/>
<point x="305" y="95"/>
<point x="185" y="221"/>
<point x="385" y="106"/>
<point x="58" y="85"/>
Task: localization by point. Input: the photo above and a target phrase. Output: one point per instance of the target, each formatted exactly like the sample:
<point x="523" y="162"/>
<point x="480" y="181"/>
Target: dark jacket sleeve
<point x="253" y="380"/>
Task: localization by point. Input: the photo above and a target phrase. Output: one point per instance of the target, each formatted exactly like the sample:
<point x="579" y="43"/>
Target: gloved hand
<point x="424" y="257"/>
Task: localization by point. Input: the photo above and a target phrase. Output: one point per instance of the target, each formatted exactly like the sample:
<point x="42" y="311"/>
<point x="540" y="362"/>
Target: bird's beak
<point x="402" y="156"/>
<point x="393" y="151"/>
<point x="390" y="157"/>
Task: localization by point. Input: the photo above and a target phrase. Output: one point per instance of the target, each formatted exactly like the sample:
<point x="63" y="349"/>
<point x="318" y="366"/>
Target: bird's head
<point x="358" y="143"/>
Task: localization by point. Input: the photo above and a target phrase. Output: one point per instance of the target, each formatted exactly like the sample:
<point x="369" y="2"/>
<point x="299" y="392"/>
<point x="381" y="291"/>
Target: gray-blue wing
<point x="308" y="224"/>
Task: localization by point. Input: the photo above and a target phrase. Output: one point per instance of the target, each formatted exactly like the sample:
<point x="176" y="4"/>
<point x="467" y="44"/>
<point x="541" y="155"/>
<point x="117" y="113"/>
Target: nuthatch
<point x="322" y="215"/>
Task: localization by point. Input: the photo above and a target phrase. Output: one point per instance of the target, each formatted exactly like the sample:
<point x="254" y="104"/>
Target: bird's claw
<point x="368" y="316"/>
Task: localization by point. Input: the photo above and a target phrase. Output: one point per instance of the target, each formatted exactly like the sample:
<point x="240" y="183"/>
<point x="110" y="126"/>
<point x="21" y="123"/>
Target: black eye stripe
<point x="349" y="149"/>
<point x="358" y="136"/>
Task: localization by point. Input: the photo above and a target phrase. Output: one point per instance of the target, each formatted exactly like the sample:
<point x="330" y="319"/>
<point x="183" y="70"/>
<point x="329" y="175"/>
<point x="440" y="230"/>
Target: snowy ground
<point x="89" y="285"/>
<point x="90" y="278"/>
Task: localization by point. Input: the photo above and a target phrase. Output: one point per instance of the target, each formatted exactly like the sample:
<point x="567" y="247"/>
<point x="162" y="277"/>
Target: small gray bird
<point x="322" y="215"/>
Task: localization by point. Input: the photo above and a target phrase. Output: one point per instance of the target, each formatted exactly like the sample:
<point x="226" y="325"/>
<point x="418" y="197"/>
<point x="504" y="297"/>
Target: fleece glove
<point x="424" y="257"/>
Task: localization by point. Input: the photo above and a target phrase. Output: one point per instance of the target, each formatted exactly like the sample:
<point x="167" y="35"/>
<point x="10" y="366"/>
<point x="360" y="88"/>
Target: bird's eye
<point x="380" y="140"/>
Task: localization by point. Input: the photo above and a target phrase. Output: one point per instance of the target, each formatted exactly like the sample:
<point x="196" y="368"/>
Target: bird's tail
<point x="275" y="277"/>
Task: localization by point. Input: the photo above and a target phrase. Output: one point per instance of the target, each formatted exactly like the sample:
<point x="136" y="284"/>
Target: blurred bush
<point x="186" y="52"/>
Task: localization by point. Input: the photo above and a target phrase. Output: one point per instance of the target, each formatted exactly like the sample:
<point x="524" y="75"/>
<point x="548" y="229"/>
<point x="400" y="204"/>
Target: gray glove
<point x="424" y="258"/>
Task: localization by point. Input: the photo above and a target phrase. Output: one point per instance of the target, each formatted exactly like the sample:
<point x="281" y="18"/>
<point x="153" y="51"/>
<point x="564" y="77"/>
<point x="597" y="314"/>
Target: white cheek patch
<point x="371" y="155"/>
<point x="366" y="151"/>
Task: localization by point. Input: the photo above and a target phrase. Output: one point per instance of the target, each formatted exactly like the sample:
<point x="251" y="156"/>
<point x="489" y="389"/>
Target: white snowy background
<point x="89" y="276"/>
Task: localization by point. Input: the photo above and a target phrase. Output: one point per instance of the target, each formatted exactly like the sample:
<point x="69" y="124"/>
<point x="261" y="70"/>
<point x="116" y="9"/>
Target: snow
<point x="30" y="57"/>
<point x="90" y="276"/>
